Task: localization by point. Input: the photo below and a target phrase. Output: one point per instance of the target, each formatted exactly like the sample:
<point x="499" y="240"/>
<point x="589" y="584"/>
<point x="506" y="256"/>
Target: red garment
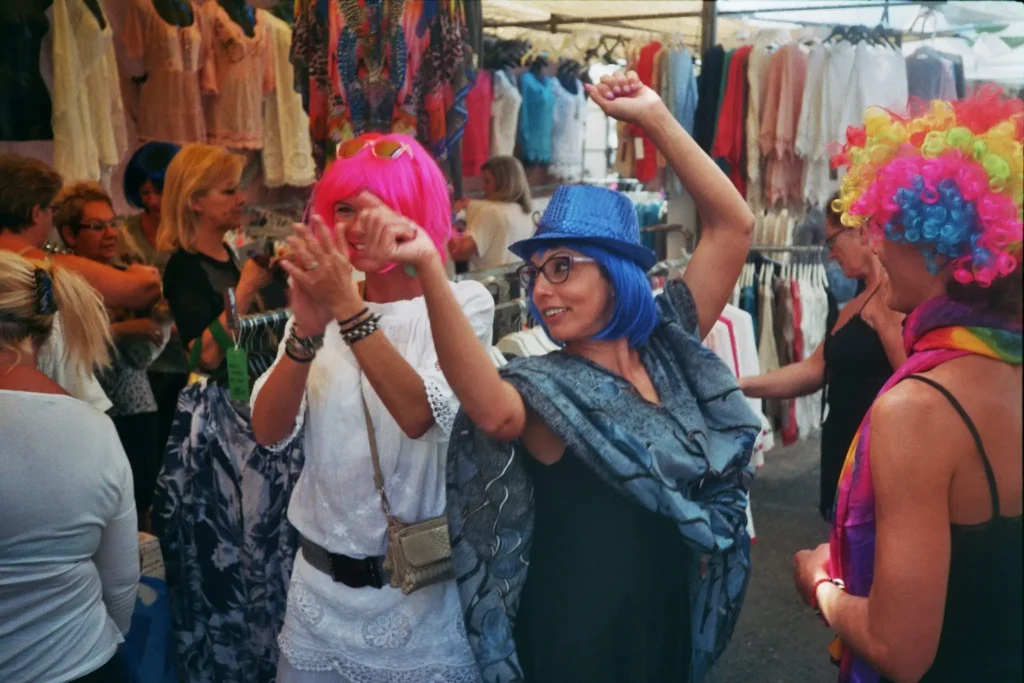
<point x="730" y="133"/>
<point x="476" y="140"/>
<point x="647" y="167"/>
<point x="790" y="429"/>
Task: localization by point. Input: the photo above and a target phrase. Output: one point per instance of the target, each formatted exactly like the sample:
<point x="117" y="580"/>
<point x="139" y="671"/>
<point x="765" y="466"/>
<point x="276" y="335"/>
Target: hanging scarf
<point x="934" y="333"/>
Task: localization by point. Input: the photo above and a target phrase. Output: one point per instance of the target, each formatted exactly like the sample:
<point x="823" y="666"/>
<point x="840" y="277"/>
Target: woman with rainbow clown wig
<point x="346" y="345"/>
<point x="597" y="495"/>
<point x="921" y="578"/>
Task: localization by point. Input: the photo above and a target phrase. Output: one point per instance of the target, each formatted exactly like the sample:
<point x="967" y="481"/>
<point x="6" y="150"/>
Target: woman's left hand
<point x="393" y="238"/>
<point x="808" y="567"/>
<point x="324" y="274"/>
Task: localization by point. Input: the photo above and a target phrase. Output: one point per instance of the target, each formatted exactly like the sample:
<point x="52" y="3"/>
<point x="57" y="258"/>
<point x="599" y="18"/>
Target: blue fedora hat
<point x="584" y="214"/>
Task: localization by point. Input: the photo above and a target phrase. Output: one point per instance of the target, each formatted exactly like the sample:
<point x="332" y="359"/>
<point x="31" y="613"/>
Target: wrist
<point x="347" y="309"/>
<point x="427" y="262"/>
<point x="656" y="118"/>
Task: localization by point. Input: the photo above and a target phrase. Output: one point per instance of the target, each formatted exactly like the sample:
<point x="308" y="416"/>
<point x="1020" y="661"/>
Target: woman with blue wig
<point x="597" y="496"/>
<point x="143" y="188"/>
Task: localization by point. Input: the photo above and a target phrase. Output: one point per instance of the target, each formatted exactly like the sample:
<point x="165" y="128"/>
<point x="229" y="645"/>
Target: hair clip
<point x="45" y="303"/>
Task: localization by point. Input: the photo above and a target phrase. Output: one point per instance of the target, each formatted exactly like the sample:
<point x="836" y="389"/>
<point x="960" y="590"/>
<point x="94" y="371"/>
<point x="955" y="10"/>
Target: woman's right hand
<point x="624" y="97"/>
<point x="324" y="274"/>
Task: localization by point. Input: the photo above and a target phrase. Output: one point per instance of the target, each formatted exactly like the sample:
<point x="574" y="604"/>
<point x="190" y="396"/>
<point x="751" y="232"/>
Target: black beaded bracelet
<point x="357" y="316"/>
<point x="362" y="330"/>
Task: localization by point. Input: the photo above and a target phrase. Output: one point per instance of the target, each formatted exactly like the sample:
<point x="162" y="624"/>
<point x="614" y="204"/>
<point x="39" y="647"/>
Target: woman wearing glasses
<point x="84" y="218"/>
<point x="854" y="362"/>
<point x="597" y="496"/>
<point x="346" y="346"/>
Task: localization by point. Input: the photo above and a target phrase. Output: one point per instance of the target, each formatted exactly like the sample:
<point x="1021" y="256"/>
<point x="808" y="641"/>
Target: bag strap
<point x="378" y="477"/>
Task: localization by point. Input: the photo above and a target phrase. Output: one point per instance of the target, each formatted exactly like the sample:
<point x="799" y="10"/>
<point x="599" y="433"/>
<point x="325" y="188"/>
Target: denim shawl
<point x="697" y="474"/>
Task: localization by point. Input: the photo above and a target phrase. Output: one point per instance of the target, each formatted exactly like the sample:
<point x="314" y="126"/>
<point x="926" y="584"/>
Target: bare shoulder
<point x="908" y="426"/>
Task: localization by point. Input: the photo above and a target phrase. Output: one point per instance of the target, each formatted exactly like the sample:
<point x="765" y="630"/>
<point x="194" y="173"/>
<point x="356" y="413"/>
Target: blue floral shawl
<point x="697" y="476"/>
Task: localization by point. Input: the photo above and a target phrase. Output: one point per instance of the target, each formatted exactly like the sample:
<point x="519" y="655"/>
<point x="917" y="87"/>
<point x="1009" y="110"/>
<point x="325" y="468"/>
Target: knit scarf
<point x="935" y="332"/>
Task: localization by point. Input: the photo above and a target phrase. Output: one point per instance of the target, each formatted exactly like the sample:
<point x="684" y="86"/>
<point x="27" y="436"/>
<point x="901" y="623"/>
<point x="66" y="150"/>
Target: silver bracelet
<point x="303" y="347"/>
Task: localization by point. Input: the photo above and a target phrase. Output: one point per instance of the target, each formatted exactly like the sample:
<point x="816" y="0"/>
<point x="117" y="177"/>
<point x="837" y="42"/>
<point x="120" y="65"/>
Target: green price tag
<point x="238" y="374"/>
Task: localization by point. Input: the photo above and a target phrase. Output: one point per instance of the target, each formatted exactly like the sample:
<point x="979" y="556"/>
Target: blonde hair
<point x="69" y="207"/>
<point x="510" y="184"/>
<point x="193" y="172"/>
<point x="85" y="326"/>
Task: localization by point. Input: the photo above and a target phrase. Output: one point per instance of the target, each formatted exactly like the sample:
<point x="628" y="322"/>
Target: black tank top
<point x="856" y="367"/>
<point x="982" y="631"/>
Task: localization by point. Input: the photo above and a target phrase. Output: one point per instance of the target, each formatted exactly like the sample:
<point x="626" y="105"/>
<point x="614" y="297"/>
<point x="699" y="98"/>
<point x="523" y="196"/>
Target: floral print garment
<point x="220" y="513"/>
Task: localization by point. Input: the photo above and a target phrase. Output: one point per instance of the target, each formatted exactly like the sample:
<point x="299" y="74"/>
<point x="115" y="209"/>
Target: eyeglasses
<point x="555" y="270"/>
<point x="102" y="226"/>
<point x="830" y="242"/>
<point x="382" y="149"/>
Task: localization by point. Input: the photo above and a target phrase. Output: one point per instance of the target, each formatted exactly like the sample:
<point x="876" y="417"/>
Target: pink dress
<point x="170" y="105"/>
<point x="237" y="72"/>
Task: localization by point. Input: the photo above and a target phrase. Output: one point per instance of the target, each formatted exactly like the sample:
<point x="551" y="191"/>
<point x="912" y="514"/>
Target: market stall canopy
<point x="575" y="25"/>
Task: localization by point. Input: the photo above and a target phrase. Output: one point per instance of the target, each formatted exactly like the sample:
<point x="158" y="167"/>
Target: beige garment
<point x="757" y="80"/>
<point x="89" y="135"/>
<point x="237" y="71"/>
<point x="287" y="149"/>
<point x="170" y="106"/>
<point x="784" y="171"/>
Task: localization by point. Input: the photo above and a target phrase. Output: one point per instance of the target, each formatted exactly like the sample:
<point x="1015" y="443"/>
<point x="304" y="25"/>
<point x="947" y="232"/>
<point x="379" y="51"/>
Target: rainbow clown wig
<point x="409" y="182"/>
<point x="948" y="180"/>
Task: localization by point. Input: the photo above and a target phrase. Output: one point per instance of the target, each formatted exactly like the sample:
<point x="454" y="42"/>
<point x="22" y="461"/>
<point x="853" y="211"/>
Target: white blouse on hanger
<point x="89" y="132"/>
<point x="568" y="131"/>
<point x="879" y="78"/>
<point x="369" y="635"/>
<point x="504" y="115"/>
<point x="287" y="149"/>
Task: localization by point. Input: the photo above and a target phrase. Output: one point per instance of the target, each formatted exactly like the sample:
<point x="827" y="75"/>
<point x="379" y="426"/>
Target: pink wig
<point x="411" y="185"/>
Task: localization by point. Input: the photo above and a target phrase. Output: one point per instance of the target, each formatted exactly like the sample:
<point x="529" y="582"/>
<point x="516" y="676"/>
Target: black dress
<point x="606" y="597"/>
<point x="856" y="368"/>
<point x="982" y="626"/>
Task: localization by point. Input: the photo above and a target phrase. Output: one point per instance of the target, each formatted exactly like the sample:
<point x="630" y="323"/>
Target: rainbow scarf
<point x="935" y="332"/>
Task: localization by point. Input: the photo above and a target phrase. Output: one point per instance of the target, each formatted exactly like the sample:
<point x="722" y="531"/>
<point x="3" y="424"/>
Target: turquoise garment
<point x="536" y="119"/>
<point x="694" y="471"/>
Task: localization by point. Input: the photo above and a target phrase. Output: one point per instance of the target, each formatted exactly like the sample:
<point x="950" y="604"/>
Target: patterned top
<point x="701" y="486"/>
<point x="219" y="511"/>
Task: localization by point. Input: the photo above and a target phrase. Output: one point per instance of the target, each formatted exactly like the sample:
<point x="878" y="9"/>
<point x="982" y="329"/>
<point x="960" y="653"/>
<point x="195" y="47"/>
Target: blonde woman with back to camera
<point x="68" y="536"/>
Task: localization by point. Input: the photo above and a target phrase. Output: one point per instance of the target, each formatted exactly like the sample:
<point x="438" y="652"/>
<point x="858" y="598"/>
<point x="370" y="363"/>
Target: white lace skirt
<point x="336" y="634"/>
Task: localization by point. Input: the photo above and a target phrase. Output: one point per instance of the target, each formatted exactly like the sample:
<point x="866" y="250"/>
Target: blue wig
<point x="148" y="164"/>
<point x="634" y="314"/>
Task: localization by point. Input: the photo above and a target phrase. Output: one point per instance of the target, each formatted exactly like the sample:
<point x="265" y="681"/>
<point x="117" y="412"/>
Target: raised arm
<point x="490" y="402"/>
<point x="136" y="288"/>
<point x="727" y="225"/>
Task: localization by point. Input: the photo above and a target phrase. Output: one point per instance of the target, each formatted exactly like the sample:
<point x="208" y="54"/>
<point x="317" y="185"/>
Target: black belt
<point x="368" y="571"/>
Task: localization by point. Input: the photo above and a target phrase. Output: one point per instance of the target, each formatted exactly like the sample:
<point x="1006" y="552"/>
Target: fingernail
<point x="617" y="90"/>
<point x="611" y="96"/>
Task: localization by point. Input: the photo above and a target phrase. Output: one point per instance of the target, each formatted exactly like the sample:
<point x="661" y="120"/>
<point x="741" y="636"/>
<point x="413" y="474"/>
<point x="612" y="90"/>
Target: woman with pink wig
<point x="921" y="578"/>
<point x="358" y="359"/>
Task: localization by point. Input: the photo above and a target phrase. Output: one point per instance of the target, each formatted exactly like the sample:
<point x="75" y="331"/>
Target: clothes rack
<point x="794" y="249"/>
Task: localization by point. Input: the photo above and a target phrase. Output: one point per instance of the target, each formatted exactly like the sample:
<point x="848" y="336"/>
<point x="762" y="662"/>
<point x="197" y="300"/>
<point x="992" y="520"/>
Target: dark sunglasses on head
<point x="555" y="270"/>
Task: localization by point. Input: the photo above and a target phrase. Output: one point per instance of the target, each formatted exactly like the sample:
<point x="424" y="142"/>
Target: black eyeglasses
<point x="556" y="270"/>
<point x="830" y="242"/>
<point x="101" y="226"/>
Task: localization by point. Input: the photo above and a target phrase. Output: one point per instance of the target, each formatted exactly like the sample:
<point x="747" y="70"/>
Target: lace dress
<point x="237" y="72"/>
<point x="335" y="633"/>
<point x="170" y="105"/>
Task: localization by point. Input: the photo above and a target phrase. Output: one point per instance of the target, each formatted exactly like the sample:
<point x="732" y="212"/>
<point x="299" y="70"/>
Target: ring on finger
<point x="312" y="266"/>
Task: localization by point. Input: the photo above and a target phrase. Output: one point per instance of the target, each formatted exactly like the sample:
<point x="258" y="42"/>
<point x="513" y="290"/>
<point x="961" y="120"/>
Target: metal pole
<point x="708" y="25"/>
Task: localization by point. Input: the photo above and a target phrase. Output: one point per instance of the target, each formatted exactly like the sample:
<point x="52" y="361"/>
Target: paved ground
<point x="778" y="639"/>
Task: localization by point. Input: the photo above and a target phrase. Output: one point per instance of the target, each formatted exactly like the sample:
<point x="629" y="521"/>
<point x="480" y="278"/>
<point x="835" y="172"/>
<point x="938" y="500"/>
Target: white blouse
<point x="364" y="634"/>
<point x="504" y="115"/>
